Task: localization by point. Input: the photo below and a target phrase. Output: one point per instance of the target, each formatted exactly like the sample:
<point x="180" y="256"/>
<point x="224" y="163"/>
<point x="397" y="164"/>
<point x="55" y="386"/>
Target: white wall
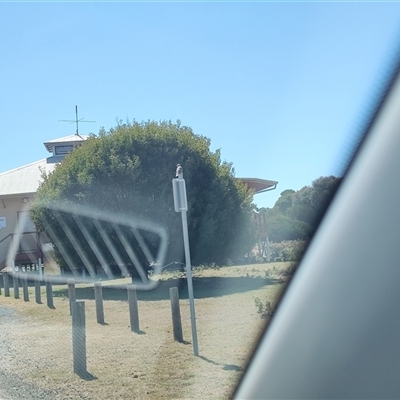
<point x="10" y="207"/>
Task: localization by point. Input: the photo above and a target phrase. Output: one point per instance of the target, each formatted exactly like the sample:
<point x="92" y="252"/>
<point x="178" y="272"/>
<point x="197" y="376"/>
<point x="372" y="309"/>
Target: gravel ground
<point x="35" y="342"/>
<point x="11" y="384"/>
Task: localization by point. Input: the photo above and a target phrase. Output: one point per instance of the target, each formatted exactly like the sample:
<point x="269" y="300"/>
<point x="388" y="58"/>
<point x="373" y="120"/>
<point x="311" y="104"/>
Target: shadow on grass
<point x="226" y="367"/>
<point x="232" y="367"/>
<point x="203" y="287"/>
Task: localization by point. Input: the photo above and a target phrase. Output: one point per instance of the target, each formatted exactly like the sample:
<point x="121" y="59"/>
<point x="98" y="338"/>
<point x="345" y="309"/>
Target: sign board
<point x="3" y="222"/>
<point x="179" y="191"/>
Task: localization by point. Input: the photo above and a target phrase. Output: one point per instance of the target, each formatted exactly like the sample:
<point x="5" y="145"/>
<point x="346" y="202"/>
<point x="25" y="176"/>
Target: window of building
<point x="62" y="150"/>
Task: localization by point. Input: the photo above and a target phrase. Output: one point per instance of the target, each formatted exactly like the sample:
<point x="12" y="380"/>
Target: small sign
<point x="3" y="222"/>
<point x="179" y="191"/>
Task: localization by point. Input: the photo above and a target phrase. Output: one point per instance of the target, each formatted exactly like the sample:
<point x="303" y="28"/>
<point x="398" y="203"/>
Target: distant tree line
<point x="296" y="214"/>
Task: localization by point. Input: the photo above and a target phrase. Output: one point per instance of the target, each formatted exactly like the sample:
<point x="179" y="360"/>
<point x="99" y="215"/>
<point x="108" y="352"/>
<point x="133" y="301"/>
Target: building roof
<point x="66" y="139"/>
<point x="24" y="180"/>
<point x="259" y="185"/>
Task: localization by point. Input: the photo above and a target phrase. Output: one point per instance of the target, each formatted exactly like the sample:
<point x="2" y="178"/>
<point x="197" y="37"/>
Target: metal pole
<point x="76" y="113"/>
<point x="189" y="272"/>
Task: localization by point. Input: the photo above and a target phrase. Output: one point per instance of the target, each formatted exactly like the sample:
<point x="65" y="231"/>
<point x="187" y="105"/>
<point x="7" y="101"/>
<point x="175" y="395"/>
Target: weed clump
<point x="265" y="309"/>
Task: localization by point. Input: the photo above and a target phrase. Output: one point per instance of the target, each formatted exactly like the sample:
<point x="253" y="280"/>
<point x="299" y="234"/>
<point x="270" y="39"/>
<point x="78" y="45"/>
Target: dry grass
<point x="148" y="365"/>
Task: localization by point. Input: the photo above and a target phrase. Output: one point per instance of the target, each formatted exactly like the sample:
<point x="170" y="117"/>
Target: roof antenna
<point x="71" y="121"/>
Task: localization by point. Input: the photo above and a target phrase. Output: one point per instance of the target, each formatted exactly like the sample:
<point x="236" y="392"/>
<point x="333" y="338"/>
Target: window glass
<point x="250" y="110"/>
<point x="62" y="150"/>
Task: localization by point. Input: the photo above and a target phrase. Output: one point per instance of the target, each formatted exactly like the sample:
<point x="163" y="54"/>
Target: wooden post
<point x="176" y="314"/>
<point x="79" y="337"/>
<point x="71" y="293"/>
<point x="49" y="294"/>
<point x="40" y="269"/>
<point x="25" y="287"/>
<point x="38" y="295"/>
<point x="16" y="286"/>
<point x="98" y="295"/>
<point x="133" y="308"/>
<point x="6" y="283"/>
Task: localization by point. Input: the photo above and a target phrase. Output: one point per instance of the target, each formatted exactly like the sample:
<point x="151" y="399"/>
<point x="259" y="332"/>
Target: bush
<point x="282" y="227"/>
<point x="128" y="171"/>
<point x="265" y="309"/>
<point x="289" y="250"/>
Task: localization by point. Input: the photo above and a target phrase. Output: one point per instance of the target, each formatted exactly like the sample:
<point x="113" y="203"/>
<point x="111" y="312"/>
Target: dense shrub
<point x="128" y="170"/>
<point x="289" y="250"/>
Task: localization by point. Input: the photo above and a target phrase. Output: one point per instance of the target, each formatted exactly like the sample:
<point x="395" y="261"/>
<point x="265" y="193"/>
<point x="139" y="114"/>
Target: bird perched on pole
<point x="179" y="170"/>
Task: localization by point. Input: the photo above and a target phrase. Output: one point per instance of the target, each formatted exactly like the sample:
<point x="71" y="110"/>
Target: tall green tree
<point x="296" y="215"/>
<point x="281" y="227"/>
<point x="310" y="202"/>
<point x="129" y="170"/>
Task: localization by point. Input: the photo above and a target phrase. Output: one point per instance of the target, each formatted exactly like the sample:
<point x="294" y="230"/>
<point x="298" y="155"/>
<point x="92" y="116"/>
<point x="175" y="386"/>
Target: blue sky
<point x="281" y="88"/>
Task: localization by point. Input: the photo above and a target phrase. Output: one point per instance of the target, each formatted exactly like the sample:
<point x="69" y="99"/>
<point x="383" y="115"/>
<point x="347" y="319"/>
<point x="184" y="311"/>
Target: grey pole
<point x="98" y="296"/>
<point x="6" y="283"/>
<point x="40" y="269"/>
<point x="16" y="285"/>
<point x="25" y="287"/>
<point x="133" y="308"/>
<point x="71" y="293"/>
<point x="182" y="195"/>
<point x="49" y="293"/>
<point x="79" y="337"/>
<point x="176" y="314"/>
<point x="38" y="295"/>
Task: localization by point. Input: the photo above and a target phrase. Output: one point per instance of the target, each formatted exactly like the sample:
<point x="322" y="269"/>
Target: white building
<point x="20" y="243"/>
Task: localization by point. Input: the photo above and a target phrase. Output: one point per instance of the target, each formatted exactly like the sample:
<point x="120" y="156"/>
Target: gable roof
<point x="24" y="180"/>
